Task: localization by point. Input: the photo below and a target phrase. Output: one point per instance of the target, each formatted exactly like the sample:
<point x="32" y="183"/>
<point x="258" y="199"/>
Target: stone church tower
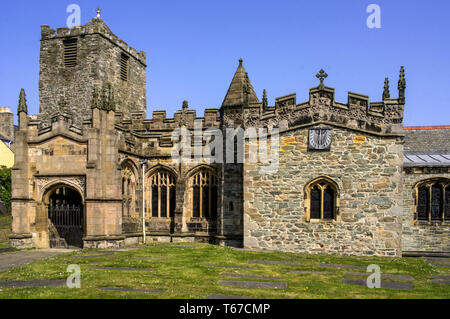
<point x="74" y="61"/>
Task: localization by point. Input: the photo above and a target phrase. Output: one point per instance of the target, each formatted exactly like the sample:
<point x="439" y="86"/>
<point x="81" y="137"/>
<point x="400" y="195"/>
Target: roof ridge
<point x="432" y="127"/>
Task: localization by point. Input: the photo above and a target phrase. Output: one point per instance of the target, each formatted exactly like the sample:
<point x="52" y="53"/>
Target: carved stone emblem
<point x="320" y="139"/>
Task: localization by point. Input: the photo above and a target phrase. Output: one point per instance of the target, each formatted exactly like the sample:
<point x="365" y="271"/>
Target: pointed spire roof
<point x="236" y="95"/>
<point x="22" y="103"/>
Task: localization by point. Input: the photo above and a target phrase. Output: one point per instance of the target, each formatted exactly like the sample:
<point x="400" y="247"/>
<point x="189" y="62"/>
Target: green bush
<point x="5" y="187"/>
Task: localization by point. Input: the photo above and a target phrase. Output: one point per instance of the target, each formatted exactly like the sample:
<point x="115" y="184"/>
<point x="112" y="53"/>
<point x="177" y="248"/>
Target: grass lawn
<point x="186" y="276"/>
<point x="5" y="222"/>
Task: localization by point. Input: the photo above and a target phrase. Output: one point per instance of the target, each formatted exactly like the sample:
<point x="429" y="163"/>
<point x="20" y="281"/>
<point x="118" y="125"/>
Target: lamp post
<point x="143" y="163"/>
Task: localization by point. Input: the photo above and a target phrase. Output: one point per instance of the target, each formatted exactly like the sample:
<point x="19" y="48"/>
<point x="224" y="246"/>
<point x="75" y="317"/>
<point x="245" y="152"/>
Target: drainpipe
<point x="143" y="163"/>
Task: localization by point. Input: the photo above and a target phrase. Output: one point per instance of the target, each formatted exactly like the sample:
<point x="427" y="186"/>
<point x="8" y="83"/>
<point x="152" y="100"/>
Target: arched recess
<point x="160" y="192"/>
<point x="322" y="199"/>
<point x="129" y="178"/>
<point x="432" y="199"/>
<point x="63" y="204"/>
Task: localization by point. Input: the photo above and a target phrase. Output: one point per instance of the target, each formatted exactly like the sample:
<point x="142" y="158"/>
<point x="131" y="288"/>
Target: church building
<point x="91" y="170"/>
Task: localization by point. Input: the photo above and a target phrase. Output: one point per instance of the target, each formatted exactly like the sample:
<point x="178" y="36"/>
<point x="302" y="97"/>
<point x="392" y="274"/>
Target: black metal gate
<point x="66" y="225"/>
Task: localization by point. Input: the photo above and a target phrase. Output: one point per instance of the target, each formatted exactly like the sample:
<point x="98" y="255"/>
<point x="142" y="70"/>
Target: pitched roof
<point x="427" y="146"/>
<point x="235" y="95"/>
<point x="427" y="140"/>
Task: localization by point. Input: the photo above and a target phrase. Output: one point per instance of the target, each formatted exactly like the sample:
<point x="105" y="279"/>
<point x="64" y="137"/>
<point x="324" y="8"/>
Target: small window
<point x="124" y="67"/>
<point x="433" y="200"/>
<point x="70" y="52"/>
<point x="322" y="197"/>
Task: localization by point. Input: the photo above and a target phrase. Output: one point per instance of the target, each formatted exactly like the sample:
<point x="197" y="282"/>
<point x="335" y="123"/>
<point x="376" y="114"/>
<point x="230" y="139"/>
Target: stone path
<point x="307" y="272"/>
<point x="219" y="296"/>
<point x="32" y="283"/>
<point x="438" y="259"/>
<point x="384" y="284"/>
<point x="152" y="259"/>
<point x="229" y="266"/>
<point x="253" y="284"/>
<point x="122" y="268"/>
<point x="441" y="265"/>
<point x="90" y="256"/>
<point x="250" y="276"/>
<point x="391" y="276"/>
<point x="158" y="291"/>
<point x="19" y="258"/>
<point x="441" y="279"/>
<point x="273" y="262"/>
<point x="342" y="266"/>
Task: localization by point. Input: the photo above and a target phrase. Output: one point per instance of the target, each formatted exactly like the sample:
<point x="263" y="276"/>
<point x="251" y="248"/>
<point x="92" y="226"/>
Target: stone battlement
<point x="95" y="26"/>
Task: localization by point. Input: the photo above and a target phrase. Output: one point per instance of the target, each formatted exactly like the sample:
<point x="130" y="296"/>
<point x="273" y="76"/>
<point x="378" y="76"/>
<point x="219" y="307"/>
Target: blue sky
<point x="193" y="48"/>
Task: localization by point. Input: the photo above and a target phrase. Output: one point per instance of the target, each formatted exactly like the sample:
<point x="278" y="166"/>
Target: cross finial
<point x="240" y="61"/>
<point x="98" y="12"/>
<point x="321" y="76"/>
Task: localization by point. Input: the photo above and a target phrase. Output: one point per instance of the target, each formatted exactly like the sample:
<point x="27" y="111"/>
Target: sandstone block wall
<point x="367" y="170"/>
<point x="422" y="236"/>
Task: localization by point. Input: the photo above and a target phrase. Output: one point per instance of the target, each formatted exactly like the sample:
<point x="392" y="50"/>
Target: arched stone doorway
<point x="65" y="216"/>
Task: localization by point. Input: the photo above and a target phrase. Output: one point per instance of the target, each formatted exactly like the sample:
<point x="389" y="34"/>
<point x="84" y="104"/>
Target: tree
<point x="5" y="187"/>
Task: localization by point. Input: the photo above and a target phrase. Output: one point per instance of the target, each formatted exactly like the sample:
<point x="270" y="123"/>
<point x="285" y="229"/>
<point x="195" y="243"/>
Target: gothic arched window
<point x="321" y="196"/>
<point x="163" y="202"/>
<point x="433" y="200"/>
<point x="204" y="191"/>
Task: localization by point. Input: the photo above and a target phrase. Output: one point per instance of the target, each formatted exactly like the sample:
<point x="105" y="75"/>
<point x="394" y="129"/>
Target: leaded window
<point x="322" y="196"/>
<point x="204" y="191"/>
<point x="162" y="194"/>
<point x="433" y="200"/>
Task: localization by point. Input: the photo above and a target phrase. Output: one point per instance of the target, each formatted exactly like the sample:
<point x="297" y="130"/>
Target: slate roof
<point x="427" y="146"/>
<point x="235" y="95"/>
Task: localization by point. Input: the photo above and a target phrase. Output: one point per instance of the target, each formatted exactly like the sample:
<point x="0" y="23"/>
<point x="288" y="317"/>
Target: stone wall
<point x="367" y="171"/>
<point x="7" y="123"/>
<point x="98" y="64"/>
<point x="422" y="236"/>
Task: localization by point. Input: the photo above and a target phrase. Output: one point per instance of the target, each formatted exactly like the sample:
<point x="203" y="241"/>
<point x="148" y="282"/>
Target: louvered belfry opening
<point x="124" y="67"/>
<point x="70" y="52"/>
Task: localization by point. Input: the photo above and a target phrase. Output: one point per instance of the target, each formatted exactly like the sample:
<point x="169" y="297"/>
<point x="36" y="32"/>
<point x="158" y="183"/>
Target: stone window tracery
<point x="433" y="200"/>
<point x="322" y="201"/>
<point x="163" y="202"/>
<point x="204" y="190"/>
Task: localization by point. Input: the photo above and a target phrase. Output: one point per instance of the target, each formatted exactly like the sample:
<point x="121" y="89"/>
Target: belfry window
<point x="70" y="52"/>
<point x="322" y="198"/>
<point x="124" y="59"/>
<point x="163" y="195"/>
<point x="204" y="191"/>
<point x="433" y="200"/>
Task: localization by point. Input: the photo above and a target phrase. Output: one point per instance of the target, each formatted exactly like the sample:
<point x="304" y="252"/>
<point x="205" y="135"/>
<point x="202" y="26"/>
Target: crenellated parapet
<point x="380" y="118"/>
<point x="94" y="26"/>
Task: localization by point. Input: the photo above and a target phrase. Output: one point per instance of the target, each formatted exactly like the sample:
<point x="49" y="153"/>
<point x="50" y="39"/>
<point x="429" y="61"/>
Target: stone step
<point x="122" y="268"/>
<point x="273" y="262"/>
<point x="342" y="266"/>
<point x="32" y="283"/>
<point x="384" y="284"/>
<point x="219" y="296"/>
<point x="253" y="284"/>
<point x="390" y="276"/>
<point x="157" y="291"/>
<point x="250" y="276"/>
<point x="229" y="266"/>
